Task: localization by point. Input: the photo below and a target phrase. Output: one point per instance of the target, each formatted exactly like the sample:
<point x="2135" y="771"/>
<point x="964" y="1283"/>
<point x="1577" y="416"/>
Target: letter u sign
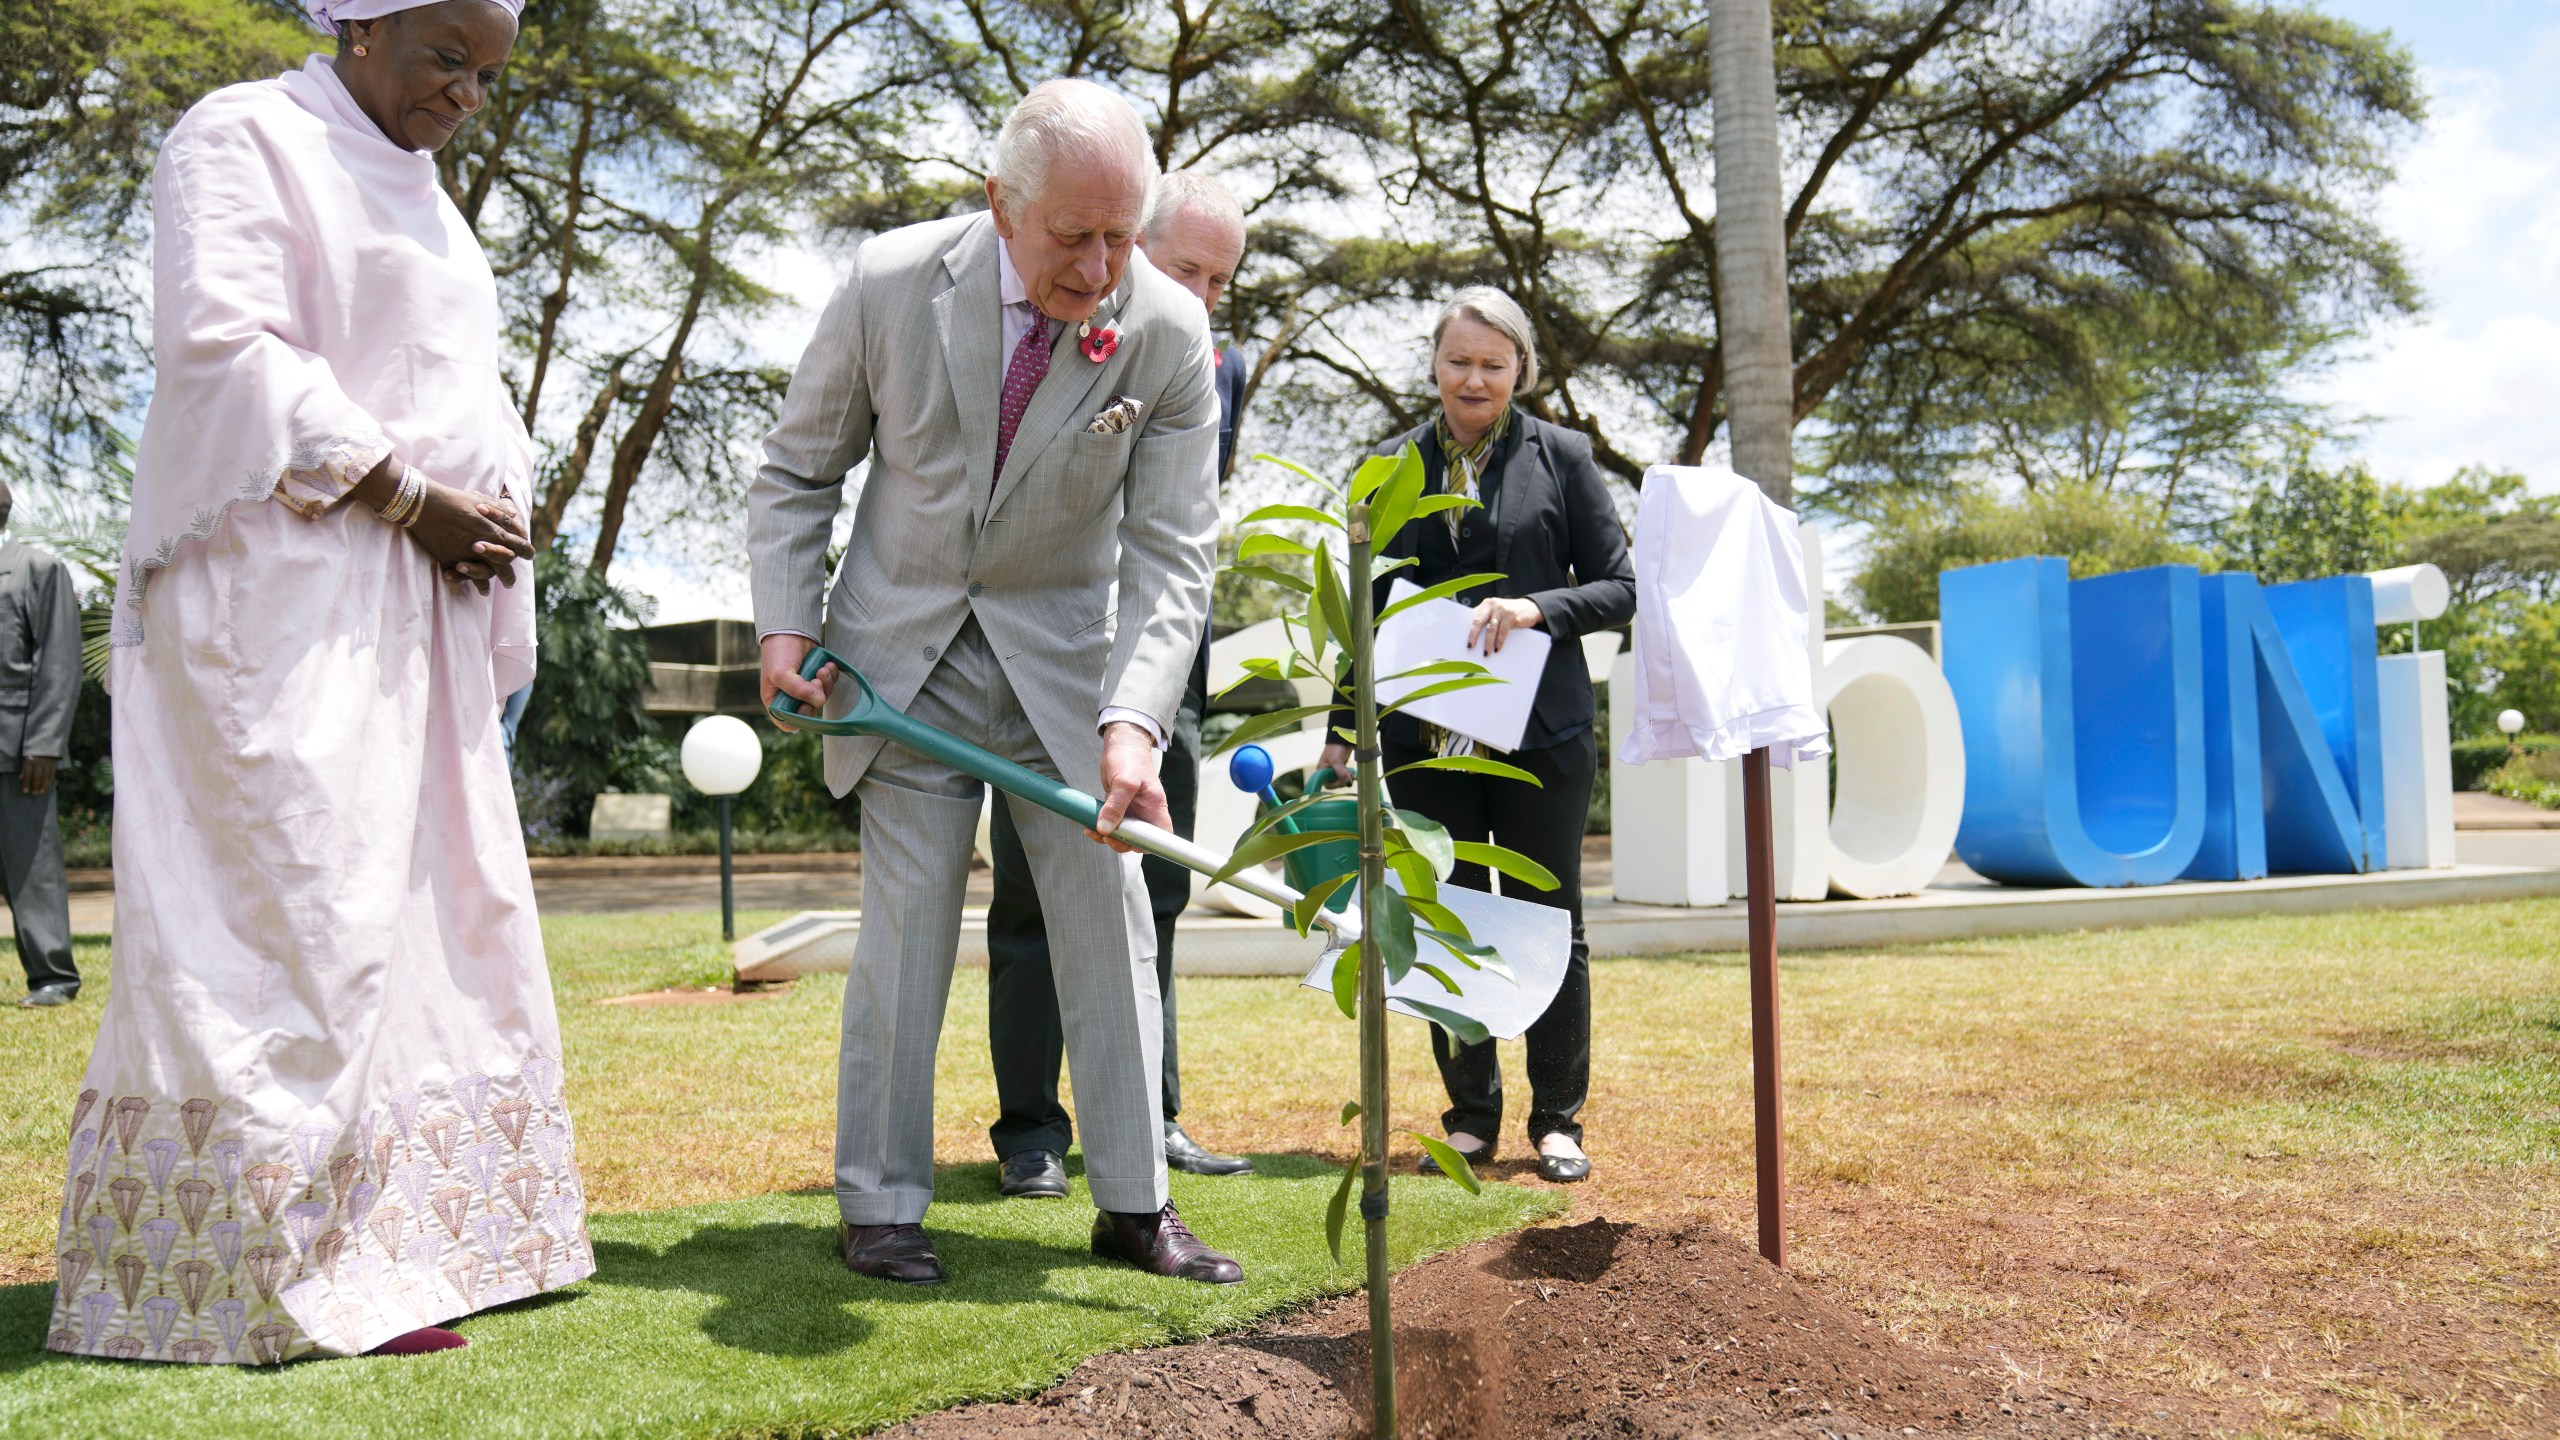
<point x="2084" y="721"/>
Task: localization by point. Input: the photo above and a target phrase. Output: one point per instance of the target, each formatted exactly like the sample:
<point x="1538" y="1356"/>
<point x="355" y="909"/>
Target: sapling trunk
<point x="1373" y="979"/>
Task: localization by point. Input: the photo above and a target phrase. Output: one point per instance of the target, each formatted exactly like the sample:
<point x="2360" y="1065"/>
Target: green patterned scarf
<point x="1466" y="463"/>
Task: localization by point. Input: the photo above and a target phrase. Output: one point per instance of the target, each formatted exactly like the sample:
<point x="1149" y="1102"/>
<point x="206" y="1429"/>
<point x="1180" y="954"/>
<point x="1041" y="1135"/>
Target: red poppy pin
<point x="1098" y="344"/>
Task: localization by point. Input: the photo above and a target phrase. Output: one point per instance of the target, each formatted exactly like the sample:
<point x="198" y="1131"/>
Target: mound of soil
<point x="1595" y="1331"/>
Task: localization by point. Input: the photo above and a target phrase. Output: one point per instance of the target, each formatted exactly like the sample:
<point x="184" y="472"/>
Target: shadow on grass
<point x="24" y="1309"/>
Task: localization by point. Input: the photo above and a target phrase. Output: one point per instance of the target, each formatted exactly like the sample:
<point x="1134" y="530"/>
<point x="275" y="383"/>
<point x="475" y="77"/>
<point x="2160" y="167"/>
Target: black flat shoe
<point x="1189" y="1156"/>
<point x="899" y="1253"/>
<point x="1474" y="1157"/>
<point x="1034" y="1175"/>
<point x="1569" y="1168"/>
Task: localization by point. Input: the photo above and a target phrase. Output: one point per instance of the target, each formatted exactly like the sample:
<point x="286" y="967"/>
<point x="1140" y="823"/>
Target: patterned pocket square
<point x="1119" y="415"/>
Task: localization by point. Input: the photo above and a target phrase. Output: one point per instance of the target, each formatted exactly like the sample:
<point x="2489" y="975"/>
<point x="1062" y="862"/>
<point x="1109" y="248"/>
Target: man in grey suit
<point x="39" y="686"/>
<point x="1029" y="570"/>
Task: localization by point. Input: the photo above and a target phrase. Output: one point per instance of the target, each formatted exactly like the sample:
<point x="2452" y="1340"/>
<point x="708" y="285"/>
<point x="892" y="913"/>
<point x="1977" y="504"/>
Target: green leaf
<point x="1268" y="818"/>
<point x="1269" y="576"/>
<point x="1430" y="837"/>
<point x="1336" y="1211"/>
<point x="1395" y="500"/>
<point x="1271" y="514"/>
<point x="1449" y="1160"/>
<point x="1473" y="955"/>
<point x="1302" y="470"/>
<point x="1313" y="900"/>
<point x="1375" y="471"/>
<point x="1509" y="862"/>
<point x="1436" y="973"/>
<point x="1270" y="722"/>
<point x="1414" y="869"/>
<point x="1433" y="913"/>
<point x="1346" y="981"/>
<point x="1350" y="1111"/>
<point x="1441" y="591"/>
<point x="1330" y="603"/>
<point x="1257" y="546"/>
<point x="1473" y="765"/>
<point x="1393" y="932"/>
<point x="1437" y="667"/>
<point x="1272" y="845"/>
<point x="1435" y="504"/>
<point x="1442" y="687"/>
<point x="1465" y="1030"/>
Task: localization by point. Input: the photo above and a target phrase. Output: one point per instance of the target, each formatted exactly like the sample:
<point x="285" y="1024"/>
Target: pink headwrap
<point x="329" y="14"/>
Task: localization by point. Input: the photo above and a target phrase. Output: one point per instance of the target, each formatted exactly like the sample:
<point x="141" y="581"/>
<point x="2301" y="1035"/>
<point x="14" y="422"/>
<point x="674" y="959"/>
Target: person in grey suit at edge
<point x="1194" y="233"/>
<point x="1029" y="570"/>
<point x="39" y="686"/>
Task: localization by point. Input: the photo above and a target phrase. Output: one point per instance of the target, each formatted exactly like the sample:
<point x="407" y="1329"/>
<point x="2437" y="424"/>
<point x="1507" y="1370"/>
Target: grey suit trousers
<point x="919" y="820"/>
<point x="39" y="896"/>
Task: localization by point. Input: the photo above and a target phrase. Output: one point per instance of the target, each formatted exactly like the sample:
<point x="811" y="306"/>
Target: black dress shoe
<point x="903" y="1253"/>
<point x="1035" y="1175"/>
<point x="1160" y="1244"/>
<point x="1187" y="1155"/>
<point x="44" y="997"/>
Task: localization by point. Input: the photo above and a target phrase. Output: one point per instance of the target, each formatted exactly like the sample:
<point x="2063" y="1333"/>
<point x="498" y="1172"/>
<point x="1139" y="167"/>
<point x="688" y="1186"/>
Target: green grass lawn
<point x="2276" y="1176"/>
<point x="736" y="1319"/>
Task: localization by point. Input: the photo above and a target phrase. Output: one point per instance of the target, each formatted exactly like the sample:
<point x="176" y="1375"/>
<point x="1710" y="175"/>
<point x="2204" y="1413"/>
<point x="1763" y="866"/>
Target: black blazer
<point x="1557" y="541"/>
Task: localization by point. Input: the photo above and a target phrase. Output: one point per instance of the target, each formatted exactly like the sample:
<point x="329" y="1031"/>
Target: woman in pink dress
<point x="324" y="1113"/>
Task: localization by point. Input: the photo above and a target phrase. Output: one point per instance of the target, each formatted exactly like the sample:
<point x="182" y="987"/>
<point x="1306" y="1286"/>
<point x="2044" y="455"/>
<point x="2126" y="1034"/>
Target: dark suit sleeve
<point x="1604" y="590"/>
<point x="56" y="686"/>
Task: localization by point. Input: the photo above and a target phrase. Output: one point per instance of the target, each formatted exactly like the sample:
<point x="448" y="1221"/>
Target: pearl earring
<point x="359" y="49"/>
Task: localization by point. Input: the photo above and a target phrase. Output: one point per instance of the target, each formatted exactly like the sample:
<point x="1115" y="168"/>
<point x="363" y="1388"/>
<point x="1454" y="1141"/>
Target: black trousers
<point x="1023" y="1034"/>
<point x="1545" y="824"/>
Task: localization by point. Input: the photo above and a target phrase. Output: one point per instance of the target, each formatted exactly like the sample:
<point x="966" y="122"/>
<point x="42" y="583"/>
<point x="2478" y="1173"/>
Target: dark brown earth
<point x="1596" y="1331"/>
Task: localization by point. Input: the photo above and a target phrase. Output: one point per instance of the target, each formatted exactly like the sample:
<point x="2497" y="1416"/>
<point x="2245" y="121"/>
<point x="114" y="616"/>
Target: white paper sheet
<point x="1495" y="715"/>
<point x="1534" y="940"/>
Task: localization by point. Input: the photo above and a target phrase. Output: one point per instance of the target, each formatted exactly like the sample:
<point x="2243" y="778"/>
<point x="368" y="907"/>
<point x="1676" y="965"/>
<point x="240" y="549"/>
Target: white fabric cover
<point x="1722" y="653"/>
<point x="326" y="1104"/>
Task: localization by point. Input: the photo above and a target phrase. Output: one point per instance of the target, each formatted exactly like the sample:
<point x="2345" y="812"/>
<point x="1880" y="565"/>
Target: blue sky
<point x="2476" y="378"/>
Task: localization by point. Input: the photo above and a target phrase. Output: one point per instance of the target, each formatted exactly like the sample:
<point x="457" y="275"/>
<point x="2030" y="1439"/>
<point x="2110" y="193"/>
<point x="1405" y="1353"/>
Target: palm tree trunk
<point x="1751" y="247"/>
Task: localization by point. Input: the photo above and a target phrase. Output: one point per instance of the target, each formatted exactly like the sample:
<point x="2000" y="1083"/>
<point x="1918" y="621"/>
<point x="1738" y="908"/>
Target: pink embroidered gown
<point x="325" y="1105"/>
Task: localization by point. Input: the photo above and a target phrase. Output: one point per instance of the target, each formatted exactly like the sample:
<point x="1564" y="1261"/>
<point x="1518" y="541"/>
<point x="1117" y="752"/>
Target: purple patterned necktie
<point x="1021" y="377"/>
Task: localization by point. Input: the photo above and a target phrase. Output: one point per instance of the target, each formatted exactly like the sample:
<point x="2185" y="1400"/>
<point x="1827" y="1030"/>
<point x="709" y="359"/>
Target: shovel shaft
<point x="870" y="715"/>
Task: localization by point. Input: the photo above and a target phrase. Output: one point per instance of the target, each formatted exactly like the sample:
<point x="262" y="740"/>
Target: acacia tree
<point x="1979" y="182"/>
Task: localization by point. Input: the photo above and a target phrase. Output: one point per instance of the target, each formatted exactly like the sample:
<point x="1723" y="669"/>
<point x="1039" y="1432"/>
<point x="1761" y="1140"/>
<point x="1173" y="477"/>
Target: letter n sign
<point x="2293" y="720"/>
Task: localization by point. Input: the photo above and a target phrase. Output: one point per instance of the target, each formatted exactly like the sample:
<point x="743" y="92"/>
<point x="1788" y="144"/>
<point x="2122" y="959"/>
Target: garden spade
<point x="1534" y="941"/>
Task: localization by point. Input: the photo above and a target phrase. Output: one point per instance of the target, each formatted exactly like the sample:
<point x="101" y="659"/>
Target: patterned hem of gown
<point x="124" y="627"/>
<point x="181" y="1240"/>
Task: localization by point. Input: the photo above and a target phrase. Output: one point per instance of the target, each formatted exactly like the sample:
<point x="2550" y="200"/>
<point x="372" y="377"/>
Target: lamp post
<point x="721" y="757"/>
<point x="2511" y="722"/>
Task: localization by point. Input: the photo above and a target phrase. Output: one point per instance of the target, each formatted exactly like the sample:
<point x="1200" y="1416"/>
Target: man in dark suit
<point x="39" y="686"/>
<point x="1194" y="233"/>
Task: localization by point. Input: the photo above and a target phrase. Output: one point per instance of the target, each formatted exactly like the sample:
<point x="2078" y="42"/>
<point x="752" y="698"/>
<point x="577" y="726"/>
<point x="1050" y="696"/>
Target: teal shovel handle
<point x="870" y="715"/>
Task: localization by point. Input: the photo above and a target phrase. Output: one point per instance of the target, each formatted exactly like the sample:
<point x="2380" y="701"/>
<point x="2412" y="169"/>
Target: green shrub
<point x="2477" y="757"/>
<point x="585" y="730"/>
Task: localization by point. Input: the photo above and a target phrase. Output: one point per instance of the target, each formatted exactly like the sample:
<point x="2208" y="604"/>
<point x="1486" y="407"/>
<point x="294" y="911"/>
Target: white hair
<point x="1181" y="190"/>
<point x="1067" y="120"/>
<point x="1487" y="306"/>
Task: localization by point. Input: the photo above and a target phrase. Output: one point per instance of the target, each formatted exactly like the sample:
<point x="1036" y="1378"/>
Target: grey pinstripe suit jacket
<point x="1086" y="562"/>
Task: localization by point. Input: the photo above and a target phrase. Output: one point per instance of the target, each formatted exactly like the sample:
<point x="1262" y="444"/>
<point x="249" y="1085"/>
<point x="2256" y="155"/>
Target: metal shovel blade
<point x="1535" y="940"/>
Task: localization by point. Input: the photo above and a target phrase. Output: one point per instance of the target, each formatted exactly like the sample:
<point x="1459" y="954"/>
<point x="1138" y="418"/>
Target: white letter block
<point x="1901" y="759"/>
<point x="1666" y="819"/>
<point x="2417" y="762"/>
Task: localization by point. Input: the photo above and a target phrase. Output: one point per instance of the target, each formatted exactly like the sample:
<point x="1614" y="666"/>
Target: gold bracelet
<point x="408" y="501"/>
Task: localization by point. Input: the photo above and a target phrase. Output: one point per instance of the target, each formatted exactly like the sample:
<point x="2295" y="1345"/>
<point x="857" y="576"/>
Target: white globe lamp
<point x="721" y="757"/>
<point x="2511" y="723"/>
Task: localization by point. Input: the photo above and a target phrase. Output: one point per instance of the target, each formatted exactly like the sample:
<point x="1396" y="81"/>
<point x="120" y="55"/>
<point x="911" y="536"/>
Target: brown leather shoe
<point x="1161" y="1244"/>
<point x="903" y="1253"/>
